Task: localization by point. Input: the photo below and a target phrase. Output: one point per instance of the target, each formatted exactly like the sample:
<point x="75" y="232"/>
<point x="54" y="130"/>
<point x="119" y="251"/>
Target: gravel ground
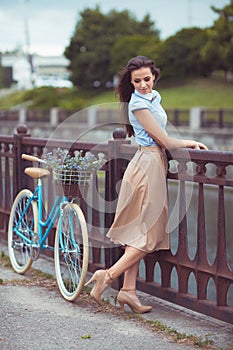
<point x="33" y="315"/>
<point x="35" y="318"/>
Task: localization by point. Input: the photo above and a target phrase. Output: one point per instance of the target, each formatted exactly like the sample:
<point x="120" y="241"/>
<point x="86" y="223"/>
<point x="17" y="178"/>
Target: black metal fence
<point x="222" y="118"/>
<point x="183" y="275"/>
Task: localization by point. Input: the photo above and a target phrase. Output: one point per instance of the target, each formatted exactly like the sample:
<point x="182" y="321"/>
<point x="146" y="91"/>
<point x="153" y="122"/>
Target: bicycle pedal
<point x="35" y="253"/>
<point x="35" y="248"/>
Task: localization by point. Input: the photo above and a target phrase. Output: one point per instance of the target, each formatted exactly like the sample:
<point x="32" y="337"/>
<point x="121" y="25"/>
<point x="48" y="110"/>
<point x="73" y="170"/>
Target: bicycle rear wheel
<point x="71" y="251"/>
<point x="24" y="220"/>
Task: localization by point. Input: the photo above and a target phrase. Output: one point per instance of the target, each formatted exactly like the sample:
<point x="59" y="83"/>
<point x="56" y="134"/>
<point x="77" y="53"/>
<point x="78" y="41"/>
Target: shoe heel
<point x="92" y="279"/>
<point x="121" y="305"/>
<point x="102" y="279"/>
<point x="125" y="298"/>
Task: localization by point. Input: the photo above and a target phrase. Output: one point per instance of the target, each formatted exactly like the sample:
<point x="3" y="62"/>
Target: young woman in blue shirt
<point x="141" y="219"/>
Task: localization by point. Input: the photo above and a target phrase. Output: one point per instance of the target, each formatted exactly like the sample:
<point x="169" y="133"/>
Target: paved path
<point x="35" y="317"/>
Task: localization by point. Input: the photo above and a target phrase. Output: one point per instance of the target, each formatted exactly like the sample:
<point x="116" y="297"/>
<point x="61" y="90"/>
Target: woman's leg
<point x="130" y="277"/>
<point x="127" y="294"/>
<point x="130" y="259"/>
<point x="103" y="278"/>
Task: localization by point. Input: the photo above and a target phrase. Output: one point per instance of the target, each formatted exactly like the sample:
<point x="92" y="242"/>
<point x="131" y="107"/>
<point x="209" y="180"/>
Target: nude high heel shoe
<point x="125" y="298"/>
<point x="101" y="279"/>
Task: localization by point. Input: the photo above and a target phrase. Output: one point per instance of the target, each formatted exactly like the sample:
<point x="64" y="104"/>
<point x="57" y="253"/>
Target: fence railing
<point x="222" y="118"/>
<point x="190" y="273"/>
<point x="218" y="118"/>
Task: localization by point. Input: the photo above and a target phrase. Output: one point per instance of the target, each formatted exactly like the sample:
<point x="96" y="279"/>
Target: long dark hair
<point x="125" y="88"/>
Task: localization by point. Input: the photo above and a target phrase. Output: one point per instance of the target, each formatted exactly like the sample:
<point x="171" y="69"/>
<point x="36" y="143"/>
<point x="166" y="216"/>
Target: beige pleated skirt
<point x="141" y="218"/>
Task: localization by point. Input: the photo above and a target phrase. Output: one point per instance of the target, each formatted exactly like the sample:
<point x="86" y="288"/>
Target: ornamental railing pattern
<point x="197" y="272"/>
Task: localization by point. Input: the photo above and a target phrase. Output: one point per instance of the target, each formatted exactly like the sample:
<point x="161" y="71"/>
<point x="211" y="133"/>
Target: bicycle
<point x="29" y="229"/>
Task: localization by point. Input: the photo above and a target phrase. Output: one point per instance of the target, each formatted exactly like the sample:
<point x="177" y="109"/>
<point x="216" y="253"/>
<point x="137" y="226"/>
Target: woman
<point x="140" y="223"/>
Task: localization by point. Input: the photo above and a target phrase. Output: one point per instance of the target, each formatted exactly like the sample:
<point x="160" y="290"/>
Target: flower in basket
<point x="73" y="169"/>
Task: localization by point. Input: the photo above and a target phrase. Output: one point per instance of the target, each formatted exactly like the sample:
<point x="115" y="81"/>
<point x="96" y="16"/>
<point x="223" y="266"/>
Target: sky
<point x="46" y="26"/>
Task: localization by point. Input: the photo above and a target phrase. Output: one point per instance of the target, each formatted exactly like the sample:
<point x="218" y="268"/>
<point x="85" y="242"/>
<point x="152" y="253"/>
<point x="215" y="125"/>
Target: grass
<point x="203" y="92"/>
<point x="4" y="260"/>
<point x="105" y="97"/>
<point x="211" y="92"/>
<point x="180" y="337"/>
<point x="35" y="277"/>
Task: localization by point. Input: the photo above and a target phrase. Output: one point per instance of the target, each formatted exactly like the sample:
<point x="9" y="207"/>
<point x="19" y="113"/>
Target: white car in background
<point x="51" y="80"/>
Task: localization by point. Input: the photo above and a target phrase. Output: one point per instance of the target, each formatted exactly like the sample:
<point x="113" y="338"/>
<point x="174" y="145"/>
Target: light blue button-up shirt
<point x="151" y="101"/>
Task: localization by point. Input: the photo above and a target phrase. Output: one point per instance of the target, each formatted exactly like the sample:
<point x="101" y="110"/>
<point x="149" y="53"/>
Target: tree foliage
<point x="179" y="56"/>
<point x="94" y="37"/>
<point x="129" y="46"/>
<point x="218" y="50"/>
<point x="103" y="43"/>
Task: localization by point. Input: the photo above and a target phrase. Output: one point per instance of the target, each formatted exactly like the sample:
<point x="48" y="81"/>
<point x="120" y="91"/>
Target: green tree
<point x="218" y="50"/>
<point x="1" y="78"/>
<point x="179" y="55"/>
<point x="94" y="37"/>
<point x="129" y="46"/>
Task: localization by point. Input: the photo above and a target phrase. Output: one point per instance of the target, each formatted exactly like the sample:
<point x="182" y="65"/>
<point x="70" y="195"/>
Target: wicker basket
<point x="72" y="183"/>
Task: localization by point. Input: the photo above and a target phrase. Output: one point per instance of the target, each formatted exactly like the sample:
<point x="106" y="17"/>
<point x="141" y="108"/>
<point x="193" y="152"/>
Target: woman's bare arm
<point x="149" y="123"/>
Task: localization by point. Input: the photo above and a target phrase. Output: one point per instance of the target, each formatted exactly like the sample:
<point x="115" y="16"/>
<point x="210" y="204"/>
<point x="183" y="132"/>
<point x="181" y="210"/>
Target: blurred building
<point x="24" y="72"/>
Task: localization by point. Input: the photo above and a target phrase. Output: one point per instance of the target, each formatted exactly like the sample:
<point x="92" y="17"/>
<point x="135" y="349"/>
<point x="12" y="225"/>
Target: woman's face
<point x="143" y="80"/>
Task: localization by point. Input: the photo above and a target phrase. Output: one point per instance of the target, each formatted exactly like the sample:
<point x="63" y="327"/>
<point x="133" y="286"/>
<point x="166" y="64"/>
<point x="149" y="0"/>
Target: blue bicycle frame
<point x="48" y="223"/>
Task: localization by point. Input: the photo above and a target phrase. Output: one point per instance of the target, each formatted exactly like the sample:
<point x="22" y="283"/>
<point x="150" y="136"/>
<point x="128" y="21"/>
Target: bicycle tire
<point x="71" y="251"/>
<point x="19" y="249"/>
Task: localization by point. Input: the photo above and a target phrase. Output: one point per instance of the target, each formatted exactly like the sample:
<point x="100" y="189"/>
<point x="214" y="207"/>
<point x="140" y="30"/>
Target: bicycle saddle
<point x="36" y="173"/>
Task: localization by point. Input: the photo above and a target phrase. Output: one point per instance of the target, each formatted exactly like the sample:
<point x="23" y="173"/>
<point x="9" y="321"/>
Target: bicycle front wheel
<point x="71" y="251"/>
<point x="22" y="228"/>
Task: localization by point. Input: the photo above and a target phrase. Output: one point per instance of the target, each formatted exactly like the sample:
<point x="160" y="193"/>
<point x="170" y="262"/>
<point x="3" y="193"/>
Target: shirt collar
<point x="149" y="97"/>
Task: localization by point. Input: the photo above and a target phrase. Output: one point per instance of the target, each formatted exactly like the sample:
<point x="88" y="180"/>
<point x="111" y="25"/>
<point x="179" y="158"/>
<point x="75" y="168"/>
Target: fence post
<point x="220" y="119"/>
<point x="91" y="116"/>
<point x="18" y="174"/>
<point x="176" y="117"/>
<point x="22" y="115"/>
<point x="195" y="117"/>
<point x="54" y="116"/>
<point x="113" y="176"/>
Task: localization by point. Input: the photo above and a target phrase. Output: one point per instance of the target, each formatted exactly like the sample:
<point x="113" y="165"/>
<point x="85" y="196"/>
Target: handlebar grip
<point x="31" y="158"/>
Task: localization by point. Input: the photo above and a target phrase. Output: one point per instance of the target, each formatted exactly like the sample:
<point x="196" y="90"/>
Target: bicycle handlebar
<point x="32" y="158"/>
